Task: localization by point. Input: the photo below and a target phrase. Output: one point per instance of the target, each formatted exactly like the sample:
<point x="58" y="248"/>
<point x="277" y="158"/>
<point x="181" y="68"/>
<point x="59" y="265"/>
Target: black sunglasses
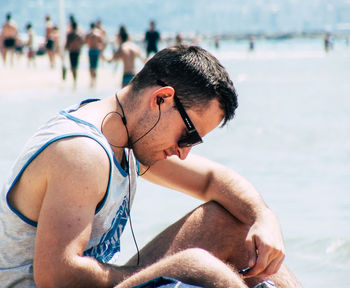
<point x="192" y="138"/>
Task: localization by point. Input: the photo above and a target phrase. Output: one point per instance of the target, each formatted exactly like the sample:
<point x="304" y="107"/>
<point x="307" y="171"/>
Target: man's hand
<point x="265" y="246"/>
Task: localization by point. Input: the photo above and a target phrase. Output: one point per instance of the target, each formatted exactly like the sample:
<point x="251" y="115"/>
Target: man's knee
<point x="199" y="258"/>
<point x="193" y="255"/>
<point x="219" y="219"/>
<point x="218" y="231"/>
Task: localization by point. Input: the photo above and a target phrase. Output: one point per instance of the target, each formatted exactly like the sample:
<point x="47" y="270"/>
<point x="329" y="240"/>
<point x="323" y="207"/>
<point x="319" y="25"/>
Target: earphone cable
<point x="129" y="211"/>
<point x="123" y="118"/>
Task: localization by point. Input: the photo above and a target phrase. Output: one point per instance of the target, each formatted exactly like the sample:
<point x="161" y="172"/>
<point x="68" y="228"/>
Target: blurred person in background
<point x="128" y="52"/>
<point x="50" y="40"/>
<point x="152" y="37"/>
<point x="8" y="38"/>
<point x="104" y="36"/>
<point x="74" y="43"/>
<point x="30" y="45"/>
<point x="95" y="42"/>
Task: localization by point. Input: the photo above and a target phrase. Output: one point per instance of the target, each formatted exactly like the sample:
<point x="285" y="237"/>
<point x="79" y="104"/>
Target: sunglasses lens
<point x="190" y="140"/>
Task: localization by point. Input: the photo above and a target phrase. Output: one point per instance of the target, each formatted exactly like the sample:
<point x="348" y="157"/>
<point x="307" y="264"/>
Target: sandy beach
<point x="30" y="95"/>
<point x="19" y="77"/>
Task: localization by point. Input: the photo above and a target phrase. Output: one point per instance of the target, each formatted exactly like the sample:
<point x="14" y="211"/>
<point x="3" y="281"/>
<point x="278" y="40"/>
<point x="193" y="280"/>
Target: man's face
<point x="162" y="141"/>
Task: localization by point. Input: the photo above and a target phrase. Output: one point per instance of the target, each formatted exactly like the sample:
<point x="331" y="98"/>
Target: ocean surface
<point x="290" y="138"/>
<point x="194" y="16"/>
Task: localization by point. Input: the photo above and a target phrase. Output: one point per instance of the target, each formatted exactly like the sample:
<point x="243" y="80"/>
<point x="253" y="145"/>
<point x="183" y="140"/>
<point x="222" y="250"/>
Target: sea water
<point x="290" y="138"/>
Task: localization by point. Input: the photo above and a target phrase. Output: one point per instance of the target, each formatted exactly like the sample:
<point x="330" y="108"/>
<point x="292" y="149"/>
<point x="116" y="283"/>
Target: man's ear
<point x="162" y="96"/>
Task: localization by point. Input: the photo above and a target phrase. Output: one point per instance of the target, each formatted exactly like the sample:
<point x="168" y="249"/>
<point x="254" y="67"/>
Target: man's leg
<point x="212" y="228"/>
<point x="192" y="266"/>
<point x="4" y="54"/>
<point x="93" y="78"/>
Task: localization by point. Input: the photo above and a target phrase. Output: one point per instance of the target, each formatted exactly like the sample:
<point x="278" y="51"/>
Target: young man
<point x="50" y="35"/>
<point x="104" y="35"/>
<point x="127" y="52"/>
<point x="69" y="195"/>
<point x="94" y="41"/>
<point x="74" y="43"/>
<point x="152" y="37"/>
<point x="30" y="45"/>
<point x="8" y="38"/>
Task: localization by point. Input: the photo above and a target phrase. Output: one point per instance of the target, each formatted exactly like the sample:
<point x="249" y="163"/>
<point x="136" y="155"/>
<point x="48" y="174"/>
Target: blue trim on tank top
<point x="34" y="223"/>
<point x="66" y="113"/>
<point x="78" y="120"/>
<point x="121" y="170"/>
<point x="138" y="167"/>
<point x="86" y="101"/>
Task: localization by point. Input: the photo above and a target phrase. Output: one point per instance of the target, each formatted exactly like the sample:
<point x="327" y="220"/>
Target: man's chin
<point x="148" y="162"/>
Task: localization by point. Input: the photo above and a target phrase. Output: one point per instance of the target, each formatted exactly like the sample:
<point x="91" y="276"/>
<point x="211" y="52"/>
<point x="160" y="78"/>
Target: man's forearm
<point x="195" y="266"/>
<point x="236" y="194"/>
<point x="84" y="272"/>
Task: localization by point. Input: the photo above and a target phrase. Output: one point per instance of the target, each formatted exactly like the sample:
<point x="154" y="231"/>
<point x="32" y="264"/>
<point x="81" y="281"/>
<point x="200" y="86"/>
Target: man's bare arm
<point x="211" y="181"/>
<point x="77" y="176"/>
<point x="207" y="180"/>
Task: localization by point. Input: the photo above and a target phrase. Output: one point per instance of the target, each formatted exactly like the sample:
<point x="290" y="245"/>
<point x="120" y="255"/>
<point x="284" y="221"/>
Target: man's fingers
<point x="266" y="264"/>
<point x="272" y="268"/>
<point x="259" y="267"/>
<point x="275" y="265"/>
<point x="251" y="253"/>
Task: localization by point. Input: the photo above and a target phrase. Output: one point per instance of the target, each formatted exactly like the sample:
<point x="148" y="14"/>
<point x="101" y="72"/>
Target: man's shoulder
<point x="129" y="46"/>
<point x="81" y="144"/>
<point x="77" y="161"/>
<point x="78" y="151"/>
<point x="9" y="26"/>
<point x="97" y="33"/>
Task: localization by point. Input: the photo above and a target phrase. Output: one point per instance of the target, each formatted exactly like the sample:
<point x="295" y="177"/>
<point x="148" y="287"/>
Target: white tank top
<point x="17" y="232"/>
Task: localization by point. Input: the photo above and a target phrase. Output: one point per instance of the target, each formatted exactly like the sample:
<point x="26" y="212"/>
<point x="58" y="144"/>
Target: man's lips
<point x="169" y="152"/>
<point x="165" y="154"/>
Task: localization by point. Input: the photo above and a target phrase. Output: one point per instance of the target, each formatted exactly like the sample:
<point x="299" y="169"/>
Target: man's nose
<point x="183" y="152"/>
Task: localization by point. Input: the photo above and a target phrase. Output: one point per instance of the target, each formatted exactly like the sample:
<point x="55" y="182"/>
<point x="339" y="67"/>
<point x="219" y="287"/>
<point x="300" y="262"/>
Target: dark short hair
<point x="123" y="34"/>
<point x="195" y="74"/>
